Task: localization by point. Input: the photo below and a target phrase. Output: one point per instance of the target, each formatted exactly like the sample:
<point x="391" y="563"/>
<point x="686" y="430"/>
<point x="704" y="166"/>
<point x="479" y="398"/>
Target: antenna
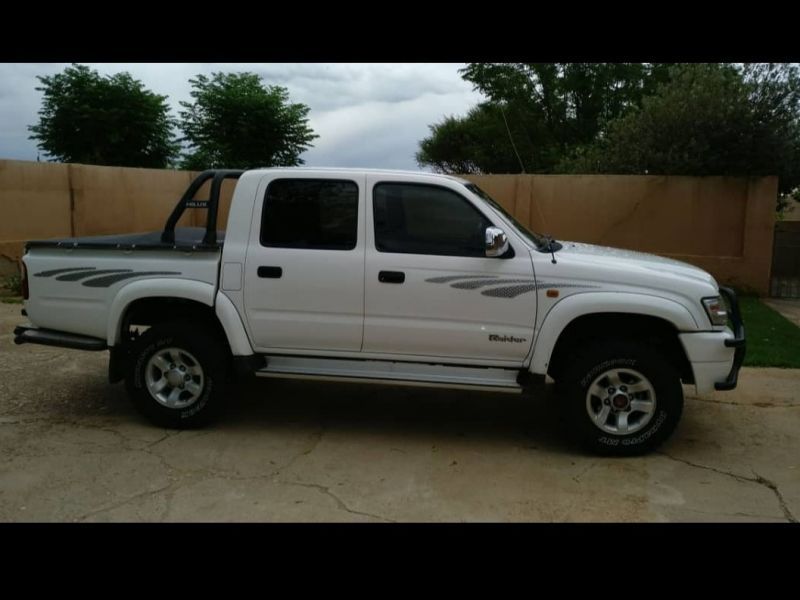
<point x="510" y="139"/>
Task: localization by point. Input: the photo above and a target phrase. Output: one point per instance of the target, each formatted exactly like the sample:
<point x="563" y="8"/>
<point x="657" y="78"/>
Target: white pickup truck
<point x="389" y="277"/>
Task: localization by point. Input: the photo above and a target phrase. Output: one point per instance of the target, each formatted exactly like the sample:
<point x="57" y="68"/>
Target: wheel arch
<point x="144" y="305"/>
<point x="597" y="315"/>
<point x="147" y="292"/>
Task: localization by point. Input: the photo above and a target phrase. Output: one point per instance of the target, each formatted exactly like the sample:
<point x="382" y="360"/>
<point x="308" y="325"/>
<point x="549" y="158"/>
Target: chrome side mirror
<point x="496" y="242"/>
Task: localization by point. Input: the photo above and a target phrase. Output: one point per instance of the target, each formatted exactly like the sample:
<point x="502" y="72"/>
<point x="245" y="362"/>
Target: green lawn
<point x="772" y="340"/>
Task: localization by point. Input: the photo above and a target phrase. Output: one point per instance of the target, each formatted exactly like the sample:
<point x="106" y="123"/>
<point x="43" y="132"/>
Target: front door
<point x="430" y="291"/>
<point x="304" y="272"/>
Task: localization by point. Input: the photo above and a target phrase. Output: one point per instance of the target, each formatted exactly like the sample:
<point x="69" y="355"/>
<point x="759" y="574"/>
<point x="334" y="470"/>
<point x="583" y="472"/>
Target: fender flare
<point x="151" y="288"/>
<point x="232" y="324"/>
<point x="578" y="305"/>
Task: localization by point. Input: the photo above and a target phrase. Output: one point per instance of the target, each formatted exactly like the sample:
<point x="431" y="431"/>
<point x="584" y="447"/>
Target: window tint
<point x="426" y="219"/>
<point x="316" y="214"/>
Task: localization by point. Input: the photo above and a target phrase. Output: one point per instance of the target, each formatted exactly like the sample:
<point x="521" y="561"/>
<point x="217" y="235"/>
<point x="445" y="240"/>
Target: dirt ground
<point x="73" y="449"/>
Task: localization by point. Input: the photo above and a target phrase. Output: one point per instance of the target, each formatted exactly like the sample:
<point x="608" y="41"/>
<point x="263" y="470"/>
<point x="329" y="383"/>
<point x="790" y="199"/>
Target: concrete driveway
<point x="72" y="449"/>
<point x="788" y="308"/>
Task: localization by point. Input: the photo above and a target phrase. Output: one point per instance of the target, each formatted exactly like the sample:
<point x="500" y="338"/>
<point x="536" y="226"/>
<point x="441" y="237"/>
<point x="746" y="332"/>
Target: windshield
<point x="539" y="240"/>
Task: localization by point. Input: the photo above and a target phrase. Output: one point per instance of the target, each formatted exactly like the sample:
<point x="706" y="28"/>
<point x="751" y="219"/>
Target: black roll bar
<point x="212" y="204"/>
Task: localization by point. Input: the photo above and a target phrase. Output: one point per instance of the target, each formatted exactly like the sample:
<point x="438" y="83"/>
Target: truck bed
<point x="74" y="282"/>
<point x="186" y="238"/>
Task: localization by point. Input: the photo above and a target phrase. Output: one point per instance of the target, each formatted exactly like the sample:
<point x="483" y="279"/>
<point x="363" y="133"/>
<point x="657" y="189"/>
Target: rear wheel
<point x="621" y="398"/>
<point x="176" y="376"/>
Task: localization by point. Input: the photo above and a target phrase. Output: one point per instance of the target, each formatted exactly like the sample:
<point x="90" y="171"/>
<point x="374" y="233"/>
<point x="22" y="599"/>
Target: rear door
<point x="304" y="271"/>
<point x="430" y="291"/>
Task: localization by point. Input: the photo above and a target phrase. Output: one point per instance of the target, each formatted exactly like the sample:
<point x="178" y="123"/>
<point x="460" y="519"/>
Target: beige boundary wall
<point x="722" y="224"/>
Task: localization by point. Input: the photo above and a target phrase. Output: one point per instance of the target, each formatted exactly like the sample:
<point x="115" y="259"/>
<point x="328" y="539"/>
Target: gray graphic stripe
<point x="110" y="280"/>
<point x="57" y="271"/>
<point x="449" y="278"/>
<point x="496" y="290"/>
<point x="512" y="291"/>
<point x="84" y="274"/>
<point x="565" y="285"/>
<point x="473" y="285"/>
<point x="509" y="291"/>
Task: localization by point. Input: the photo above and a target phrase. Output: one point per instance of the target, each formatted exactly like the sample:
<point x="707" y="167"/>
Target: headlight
<point x="717" y="311"/>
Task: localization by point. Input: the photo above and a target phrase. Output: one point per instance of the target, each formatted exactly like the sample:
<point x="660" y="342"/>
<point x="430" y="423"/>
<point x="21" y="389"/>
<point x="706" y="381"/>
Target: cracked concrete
<point x="339" y="502"/>
<point x="757" y="479"/>
<point x="72" y="449"/>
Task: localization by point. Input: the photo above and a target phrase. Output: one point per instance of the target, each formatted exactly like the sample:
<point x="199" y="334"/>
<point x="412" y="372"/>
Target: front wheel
<point x="176" y="375"/>
<point x="621" y="398"/>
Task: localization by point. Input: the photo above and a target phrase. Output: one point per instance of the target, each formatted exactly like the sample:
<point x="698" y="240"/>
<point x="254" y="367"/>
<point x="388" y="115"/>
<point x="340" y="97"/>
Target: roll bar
<point x="212" y="204"/>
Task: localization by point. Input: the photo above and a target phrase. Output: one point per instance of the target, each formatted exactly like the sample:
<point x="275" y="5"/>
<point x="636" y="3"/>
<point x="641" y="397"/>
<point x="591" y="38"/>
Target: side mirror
<point x="496" y="242"/>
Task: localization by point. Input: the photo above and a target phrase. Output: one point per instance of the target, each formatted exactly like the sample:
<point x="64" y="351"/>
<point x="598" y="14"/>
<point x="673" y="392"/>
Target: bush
<point x="13" y="283"/>
<point x="709" y="119"/>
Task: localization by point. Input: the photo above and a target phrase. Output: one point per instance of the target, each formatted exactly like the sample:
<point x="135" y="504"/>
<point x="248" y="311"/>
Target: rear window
<point x="315" y="214"/>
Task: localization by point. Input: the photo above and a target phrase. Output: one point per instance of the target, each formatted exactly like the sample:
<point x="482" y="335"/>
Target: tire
<point x="640" y="414"/>
<point x="183" y="355"/>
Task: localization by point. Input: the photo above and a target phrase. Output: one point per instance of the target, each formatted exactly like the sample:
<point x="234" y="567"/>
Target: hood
<point x="617" y="269"/>
<point x="630" y="259"/>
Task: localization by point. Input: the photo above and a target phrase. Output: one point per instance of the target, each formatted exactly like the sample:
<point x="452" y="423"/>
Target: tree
<point x="538" y="113"/>
<point x="236" y="122"/>
<point x="103" y="120"/>
<point x="477" y="143"/>
<point x="708" y="119"/>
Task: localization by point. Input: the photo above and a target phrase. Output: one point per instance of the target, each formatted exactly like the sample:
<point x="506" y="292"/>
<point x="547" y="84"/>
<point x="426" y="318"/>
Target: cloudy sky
<point x="367" y="115"/>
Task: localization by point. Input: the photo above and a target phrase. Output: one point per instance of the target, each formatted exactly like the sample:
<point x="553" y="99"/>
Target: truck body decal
<point x="108" y="277"/>
<point x="475" y="284"/>
<point x="78" y="275"/>
<point x="110" y="280"/>
<point x="499" y="287"/>
<point x="52" y="272"/>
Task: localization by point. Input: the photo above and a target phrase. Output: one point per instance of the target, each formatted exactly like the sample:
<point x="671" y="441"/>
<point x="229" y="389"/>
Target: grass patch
<point x="11" y="300"/>
<point x="12" y="284"/>
<point x="772" y="340"/>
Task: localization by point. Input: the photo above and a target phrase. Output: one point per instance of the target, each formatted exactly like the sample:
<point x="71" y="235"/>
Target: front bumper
<point x="717" y="356"/>
<point x="738" y="342"/>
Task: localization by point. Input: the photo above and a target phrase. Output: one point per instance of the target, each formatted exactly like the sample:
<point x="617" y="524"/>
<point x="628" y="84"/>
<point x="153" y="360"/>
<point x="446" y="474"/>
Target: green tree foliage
<point x="477" y="143"/>
<point x="103" y="120"/>
<point x="536" y="113"/>
<point x="234" y="121"/>
<point x="708" y="119"/>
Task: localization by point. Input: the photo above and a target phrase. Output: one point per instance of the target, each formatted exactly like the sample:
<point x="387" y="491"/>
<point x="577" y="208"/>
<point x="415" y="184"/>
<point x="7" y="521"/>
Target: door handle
<point x="391" y="276"/>
<point x="270" y="272"/>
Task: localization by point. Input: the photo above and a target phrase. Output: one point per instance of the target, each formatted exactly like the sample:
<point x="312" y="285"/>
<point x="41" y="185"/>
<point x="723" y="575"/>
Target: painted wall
<point x="722" y="224"/>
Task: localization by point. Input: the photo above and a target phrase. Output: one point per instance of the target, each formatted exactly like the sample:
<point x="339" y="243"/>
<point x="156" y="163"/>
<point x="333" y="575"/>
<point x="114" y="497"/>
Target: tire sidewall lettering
<point x="604" y="366"/>
<point x="198" y="406"/>
<point x="636" y="439"/>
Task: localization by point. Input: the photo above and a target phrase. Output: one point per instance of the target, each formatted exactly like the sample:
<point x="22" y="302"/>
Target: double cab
<point x="384" y="277"/>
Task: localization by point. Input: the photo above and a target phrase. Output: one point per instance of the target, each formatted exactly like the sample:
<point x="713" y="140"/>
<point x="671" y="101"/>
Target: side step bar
<point x="61" y="339"/>
<point x="392" y="373"/>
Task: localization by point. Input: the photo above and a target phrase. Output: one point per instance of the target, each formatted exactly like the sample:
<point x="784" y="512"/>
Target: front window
<point x="413" y="218"/>
<point x="538" y="240"/>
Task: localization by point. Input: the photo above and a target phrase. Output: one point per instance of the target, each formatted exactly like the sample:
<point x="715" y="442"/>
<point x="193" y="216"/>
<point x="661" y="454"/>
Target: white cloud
<point x="370" y="115"/>
<point x="378" y="133"/>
